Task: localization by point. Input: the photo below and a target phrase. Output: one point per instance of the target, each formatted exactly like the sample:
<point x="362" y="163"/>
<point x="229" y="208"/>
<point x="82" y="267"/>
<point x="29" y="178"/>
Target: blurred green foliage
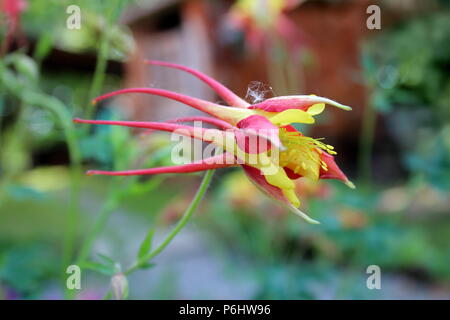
<point x="407" y="71"/>
<point x="289" y="258"/>
<point x="36" y="23"/>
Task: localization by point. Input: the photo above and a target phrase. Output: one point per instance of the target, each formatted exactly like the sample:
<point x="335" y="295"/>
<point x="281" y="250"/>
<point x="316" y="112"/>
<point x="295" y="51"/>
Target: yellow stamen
<point x="303" y="154"/>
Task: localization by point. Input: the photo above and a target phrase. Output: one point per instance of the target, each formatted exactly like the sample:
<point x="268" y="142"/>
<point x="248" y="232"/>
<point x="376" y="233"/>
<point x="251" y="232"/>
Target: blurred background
<point x="394" y="145"/>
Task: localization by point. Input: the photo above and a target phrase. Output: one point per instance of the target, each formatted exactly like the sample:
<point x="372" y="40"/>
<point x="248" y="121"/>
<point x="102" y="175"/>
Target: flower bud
<point x="119" y="285"/>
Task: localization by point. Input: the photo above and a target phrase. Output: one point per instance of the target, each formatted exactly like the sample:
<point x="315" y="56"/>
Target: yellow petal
<point x="291" y="116"/>
<point x="277" y="177"/>
<point x="292" y="197"/>
<point x="316" y="109"/>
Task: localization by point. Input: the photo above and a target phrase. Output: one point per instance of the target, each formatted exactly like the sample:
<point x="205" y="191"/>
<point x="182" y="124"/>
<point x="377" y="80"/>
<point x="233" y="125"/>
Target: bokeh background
<point x="394" y="145"/>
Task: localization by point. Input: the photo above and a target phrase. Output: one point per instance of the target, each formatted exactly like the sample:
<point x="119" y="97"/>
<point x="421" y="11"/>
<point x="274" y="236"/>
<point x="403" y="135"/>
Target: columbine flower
<point x="259" y="18"/>
<point x="11" y="9"/>
<point x="278" y="156"/>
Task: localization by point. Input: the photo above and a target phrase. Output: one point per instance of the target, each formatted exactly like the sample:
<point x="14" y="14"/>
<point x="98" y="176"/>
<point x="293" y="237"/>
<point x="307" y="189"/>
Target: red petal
<point x="291" y="174"/>
<point x="216" y="162"/>
<point x="260" y="181"/>
<point x="302" y="102"/>
<point x="266" y="132"/>
<point x="225" y="93"/>
<point x="189" y="131"/>
<point x="333" y="171"/>
<point x="216" y="110"/>
<point x="274" y="105"/>
<point x="216" y="122"/>
<point x="274" y="192"/>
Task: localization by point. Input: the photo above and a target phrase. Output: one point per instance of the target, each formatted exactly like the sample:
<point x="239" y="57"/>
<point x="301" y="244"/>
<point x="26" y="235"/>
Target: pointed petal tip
<point x="304" y="216"/>
<point x="94" y="102"/>
<point x="148" y="61"/>
<point x="346" y="108"/>
<point x="337" y="104"/>
<point x="340" y="106"/>
<point x="91" y="173"/>
<point x="350" y="184"/>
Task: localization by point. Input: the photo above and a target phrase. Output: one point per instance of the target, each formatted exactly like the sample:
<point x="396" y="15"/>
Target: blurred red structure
<point x="11" y="10"/>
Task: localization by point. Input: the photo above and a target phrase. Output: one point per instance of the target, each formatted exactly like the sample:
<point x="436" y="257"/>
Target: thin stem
<point x="180" y="225"/>
<point x="114" y="197"/>
<point x="59" y="110"/>
<point x="105" y="212"/>
<point x="277" y="76"/>
<point x="295" y="73"/>
<point x="366" y="145"/>
<point x="99" y="73"/>
<point x="102" y="56"/>
<point x="57" y="107"/>
<point x="29" y="95"/>
<point x="17" y="135"/>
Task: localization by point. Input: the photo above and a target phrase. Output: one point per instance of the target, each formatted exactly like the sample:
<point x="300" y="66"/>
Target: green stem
<point x="295" y="72"/>
<point x="102" y="56"/>
<point x="114" y="196"/>
<point x="366" y="145"/>
<point x="32" y="96"/>
<point x="64" y="118"/>
<point x="105" y="213"/>
<point x="275" y="74"/>
<point x="180" y="225"/>
<point x="18" y="134"/>
<point x="99" y="74"/>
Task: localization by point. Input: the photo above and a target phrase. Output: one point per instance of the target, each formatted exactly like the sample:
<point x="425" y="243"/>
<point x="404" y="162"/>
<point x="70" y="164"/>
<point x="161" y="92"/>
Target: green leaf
<point x="99" y="267"/>
<point x="25" y="66"/>
<point x="146" y="245"/>
<point x="107" y="260"/>
<point x="147" y="265"/>
<point x="43" y="46"/>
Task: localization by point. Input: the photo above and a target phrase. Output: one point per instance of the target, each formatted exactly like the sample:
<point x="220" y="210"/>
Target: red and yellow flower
<point x="10" y="11"/>
<point x="261" y="19"/>
<point x="258" y="137"/>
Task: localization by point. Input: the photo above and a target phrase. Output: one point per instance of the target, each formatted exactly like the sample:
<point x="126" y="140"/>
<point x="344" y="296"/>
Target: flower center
<point x="302" y="154"/>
